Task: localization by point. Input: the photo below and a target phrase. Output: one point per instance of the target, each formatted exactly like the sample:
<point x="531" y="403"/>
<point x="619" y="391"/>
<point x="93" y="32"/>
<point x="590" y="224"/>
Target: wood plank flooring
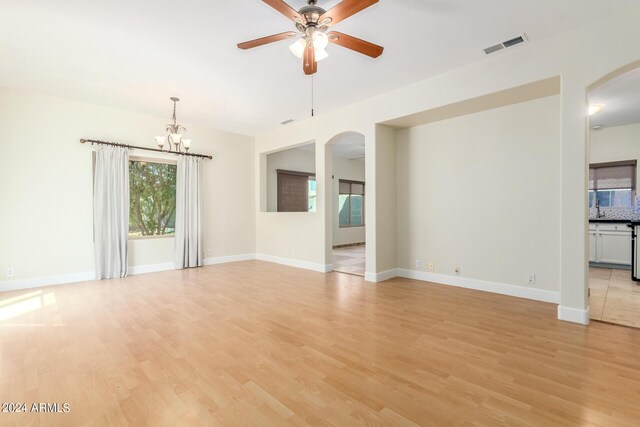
<point x="255" y="343"/>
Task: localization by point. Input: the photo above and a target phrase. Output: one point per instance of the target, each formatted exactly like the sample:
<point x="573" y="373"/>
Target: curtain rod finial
<point x="82" y="141"/>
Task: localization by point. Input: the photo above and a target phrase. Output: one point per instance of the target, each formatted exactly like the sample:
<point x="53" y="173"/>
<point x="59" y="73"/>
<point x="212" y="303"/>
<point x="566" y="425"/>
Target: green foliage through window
<point x="152" y="210"/>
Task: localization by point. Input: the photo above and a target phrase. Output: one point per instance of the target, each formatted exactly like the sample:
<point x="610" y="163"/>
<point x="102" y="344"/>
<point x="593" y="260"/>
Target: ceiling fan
<point x="312" y="23"/>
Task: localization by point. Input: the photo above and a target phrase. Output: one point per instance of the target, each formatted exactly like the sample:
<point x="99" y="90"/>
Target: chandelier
<point x="174" y="134"/>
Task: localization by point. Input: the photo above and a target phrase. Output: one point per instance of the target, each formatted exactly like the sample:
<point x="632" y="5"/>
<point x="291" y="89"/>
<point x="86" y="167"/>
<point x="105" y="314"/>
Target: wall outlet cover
<point x="10" y="272"/>
<point x="418" y="263"/>
<point x="457" y="270"/>
<point x="531" y="279"/>
<point x="432" y="266"/>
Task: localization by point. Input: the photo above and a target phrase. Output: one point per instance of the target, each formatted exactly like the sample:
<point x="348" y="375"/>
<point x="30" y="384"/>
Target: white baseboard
<point x="229" y="258"/>
<point x="321" y="268"/>
<point x="16" y="285"/>
<point x="380" y="277"/>
<point x="151" y="268"/>
<point x="482" y="285"/>
<point x="574" y="315"/>
<point x="37" y="282"/>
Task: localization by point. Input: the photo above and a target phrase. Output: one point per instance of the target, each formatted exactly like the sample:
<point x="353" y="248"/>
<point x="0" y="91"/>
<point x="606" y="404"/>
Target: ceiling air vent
<point x="286" y="122"/>
<point x="509" y="43"/>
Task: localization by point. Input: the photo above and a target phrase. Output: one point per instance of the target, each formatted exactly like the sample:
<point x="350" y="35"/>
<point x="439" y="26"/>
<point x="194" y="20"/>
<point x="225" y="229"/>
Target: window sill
<point x="352" y="226"/>
<point x="162" y="236"/>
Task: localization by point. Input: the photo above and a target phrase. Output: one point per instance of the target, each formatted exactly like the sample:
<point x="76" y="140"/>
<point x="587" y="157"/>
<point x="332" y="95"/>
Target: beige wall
<point x="46" y="185"/>
<point x="482" y="192"/>
<point x="569" y="55"/>
<point x="351" y="170"/>
<point x="615" y="144"/>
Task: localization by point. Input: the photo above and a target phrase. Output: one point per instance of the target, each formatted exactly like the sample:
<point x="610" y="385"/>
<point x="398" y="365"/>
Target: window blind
<point x="293" y="191"/>
<point x="613" y="175"/>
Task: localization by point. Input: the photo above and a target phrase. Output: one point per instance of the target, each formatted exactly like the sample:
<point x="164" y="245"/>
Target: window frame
<point x="602" y="165"/>
<point x="158" y="160"/>
<point x="364" y="192"/>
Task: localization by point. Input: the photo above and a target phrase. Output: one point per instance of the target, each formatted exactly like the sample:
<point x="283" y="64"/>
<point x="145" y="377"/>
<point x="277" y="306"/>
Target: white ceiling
<point x="621" y="101"/>
<point x="136" y="54"/>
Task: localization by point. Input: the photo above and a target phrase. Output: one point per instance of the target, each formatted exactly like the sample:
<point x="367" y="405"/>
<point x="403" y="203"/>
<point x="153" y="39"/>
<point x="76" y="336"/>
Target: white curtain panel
<point x="111" y="211"/>
<point x="188" y="212"/>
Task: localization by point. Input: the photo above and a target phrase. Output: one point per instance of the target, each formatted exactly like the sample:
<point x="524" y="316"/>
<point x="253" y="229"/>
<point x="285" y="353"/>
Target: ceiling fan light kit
<point x="313" y="23"/>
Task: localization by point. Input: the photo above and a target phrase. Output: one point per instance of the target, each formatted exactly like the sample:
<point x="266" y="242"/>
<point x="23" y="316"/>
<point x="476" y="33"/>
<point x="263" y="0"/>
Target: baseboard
<point x="321" y="268"/>
<point x="63" y="279"/>
<point x="380" y="277"/>
<point x="151" y="268"/>
<point x="229" y="258"/>
<point x="37" y="282"/>
<point x="482" y="285"/>
<point x="574" y="315"/>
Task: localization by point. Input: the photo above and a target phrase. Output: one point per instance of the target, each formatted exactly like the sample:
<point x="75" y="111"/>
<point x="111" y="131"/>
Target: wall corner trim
<point x="574" y="315"/>
<point x="482" y="285"/>
<point x="307" y="265"/>
<point x="380" y="277"/>
<point x="229" y="258"/>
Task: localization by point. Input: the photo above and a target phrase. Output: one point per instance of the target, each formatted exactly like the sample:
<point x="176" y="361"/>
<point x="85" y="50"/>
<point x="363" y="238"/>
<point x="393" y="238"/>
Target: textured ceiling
<point x="134" y="55"/>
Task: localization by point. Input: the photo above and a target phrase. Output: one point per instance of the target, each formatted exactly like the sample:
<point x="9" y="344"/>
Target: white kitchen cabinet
<point x="610" y="243"/>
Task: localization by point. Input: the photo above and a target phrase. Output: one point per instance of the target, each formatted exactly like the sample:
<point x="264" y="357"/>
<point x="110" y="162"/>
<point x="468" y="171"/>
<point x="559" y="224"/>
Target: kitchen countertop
<point x="610" y="220"/>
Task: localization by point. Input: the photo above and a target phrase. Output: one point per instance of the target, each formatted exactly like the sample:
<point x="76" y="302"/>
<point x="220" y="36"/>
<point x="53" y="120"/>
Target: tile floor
<point x="614" y="297"/>
<point x="350" y="260"/>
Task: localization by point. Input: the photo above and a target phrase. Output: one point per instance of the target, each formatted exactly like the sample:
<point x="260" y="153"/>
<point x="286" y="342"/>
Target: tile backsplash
<point x="615" y="213"/>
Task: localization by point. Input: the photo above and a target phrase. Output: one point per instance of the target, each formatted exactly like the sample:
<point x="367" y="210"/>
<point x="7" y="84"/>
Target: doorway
<point x="614" y="206"/>
<point x="348" y="196"/>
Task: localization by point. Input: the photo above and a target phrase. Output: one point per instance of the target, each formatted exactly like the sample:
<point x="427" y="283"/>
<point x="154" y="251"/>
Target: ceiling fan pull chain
<point x="312" y="113"/>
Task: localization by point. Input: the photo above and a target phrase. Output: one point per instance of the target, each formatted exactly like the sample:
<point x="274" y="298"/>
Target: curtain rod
<point x="136" y="147"/>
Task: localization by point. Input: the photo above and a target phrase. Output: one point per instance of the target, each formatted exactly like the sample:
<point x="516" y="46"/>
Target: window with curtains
<point x="296" y="191"/>
<point x="351" y="203"/>
<point x="612" y="184"/>
<point x="152" y="207"/>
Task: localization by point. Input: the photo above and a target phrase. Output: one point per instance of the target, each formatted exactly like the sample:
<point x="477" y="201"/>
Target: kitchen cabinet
<point x="610" y="243"/>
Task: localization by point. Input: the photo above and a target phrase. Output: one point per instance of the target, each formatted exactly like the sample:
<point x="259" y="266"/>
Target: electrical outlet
<point x="432" y="266"/>
<point x="532" y="279"/>
<point x="418" y="263"/>
<point x="457" y="270"/>
<point x="10" y="272"/>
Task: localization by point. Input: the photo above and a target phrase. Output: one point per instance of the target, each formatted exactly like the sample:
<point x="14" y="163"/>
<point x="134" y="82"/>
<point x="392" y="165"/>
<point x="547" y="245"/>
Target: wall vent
<point x="286" y="122"/>
<point x="505" y="44"/>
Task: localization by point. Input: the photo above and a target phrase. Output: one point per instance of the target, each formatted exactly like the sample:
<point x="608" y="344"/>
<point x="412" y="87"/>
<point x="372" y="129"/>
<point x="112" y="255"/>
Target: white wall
<point x="350" y="170"/>
<point x="482" y="192"/>
<point x="614" y="144"/>
<point x="295" y="159"/>
<point x="46" y="186"/>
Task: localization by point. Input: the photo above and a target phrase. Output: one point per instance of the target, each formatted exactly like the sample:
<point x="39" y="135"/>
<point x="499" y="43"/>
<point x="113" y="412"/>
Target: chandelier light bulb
<point x="320" y="40"/>
<point x="161" y="140"/>
<point x="186" y="143"/>
<point x="321" y="54"/>
<point x="298" y="47"/>
<point x="175" y="138"/>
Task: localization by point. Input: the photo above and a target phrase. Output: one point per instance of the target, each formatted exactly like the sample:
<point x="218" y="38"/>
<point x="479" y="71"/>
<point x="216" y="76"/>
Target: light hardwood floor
<point x="615" y="297"/>
<point x="255" y="343"/>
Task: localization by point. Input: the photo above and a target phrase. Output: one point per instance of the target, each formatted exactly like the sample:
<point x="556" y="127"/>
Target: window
<point x="296" y="191"/>
<point x="152" y="207"/>
<point x="612" y="185"/>
<point x="351" y="203"/>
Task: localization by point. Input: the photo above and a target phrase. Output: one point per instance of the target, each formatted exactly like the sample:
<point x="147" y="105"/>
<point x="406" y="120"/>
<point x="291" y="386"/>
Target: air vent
<point x="286" y="122"/>
<point x="509" y="43"/>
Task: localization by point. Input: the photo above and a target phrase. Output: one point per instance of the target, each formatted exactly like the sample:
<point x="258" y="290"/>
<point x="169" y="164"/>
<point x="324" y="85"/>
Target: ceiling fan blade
<point x="345" y="9"/>
<point x="309" y="63"/>
<point x="266" y="40"/>
<point x="285" y="9"/>
<point x="354" y="43"/>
